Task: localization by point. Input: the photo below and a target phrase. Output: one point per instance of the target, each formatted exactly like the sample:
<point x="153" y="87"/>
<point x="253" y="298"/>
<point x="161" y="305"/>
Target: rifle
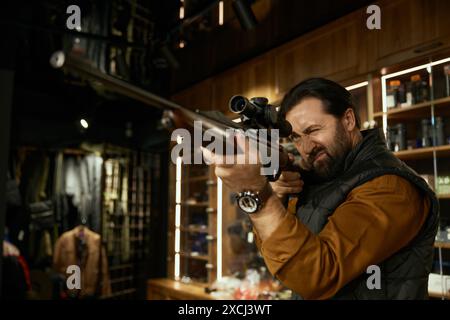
<point x="255" y="113"/>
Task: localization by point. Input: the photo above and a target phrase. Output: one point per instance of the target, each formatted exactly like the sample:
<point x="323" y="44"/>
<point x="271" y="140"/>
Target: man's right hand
<point x="289" y="182"/>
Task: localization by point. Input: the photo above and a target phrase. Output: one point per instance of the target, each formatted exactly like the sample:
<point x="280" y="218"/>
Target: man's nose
<point x="308" y="146"/>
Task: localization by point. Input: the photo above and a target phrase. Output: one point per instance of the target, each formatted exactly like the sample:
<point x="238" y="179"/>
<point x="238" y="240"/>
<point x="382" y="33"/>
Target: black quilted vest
<point x="405" y="274"/>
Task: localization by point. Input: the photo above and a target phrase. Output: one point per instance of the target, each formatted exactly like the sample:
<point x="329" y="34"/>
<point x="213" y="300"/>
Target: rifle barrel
<point x="179" y="113"/>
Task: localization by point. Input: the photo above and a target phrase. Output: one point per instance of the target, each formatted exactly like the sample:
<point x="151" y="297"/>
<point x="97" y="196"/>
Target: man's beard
<point x="333" y="162"/>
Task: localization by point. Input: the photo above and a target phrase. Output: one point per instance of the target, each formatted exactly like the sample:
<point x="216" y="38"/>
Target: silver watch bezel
<point x="253" y="197"/>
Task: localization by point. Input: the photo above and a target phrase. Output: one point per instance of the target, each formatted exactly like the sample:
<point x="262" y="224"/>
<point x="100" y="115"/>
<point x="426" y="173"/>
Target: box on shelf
<point x="407" y="93"/>
<point x="443" y="185"/>
<point x="419" y="89"/>
<point x="439" y="285"/>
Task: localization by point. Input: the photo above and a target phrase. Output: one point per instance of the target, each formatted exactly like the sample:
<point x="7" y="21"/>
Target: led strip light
<point x="399" y="73"/>
<point x="177" y="213"/>
<point x="219" y="229"/>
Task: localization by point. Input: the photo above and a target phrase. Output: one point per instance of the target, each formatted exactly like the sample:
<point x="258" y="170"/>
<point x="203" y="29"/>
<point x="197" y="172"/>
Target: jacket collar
<point x="371" y="145"/>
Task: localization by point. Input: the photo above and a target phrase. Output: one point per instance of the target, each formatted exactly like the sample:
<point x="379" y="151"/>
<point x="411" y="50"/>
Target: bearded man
<point x="361" y="212"/>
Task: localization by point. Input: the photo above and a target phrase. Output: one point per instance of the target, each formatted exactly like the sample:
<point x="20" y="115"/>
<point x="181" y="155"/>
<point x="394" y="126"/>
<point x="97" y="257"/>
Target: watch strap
<point x="265" y="193"/>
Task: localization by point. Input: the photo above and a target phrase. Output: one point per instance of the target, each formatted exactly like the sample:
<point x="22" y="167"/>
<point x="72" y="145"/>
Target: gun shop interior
<point x="127" y="167"/>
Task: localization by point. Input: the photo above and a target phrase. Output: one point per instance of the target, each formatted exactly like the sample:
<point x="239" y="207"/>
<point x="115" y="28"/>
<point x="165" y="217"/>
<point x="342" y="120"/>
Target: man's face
<point x="320" y="138"/>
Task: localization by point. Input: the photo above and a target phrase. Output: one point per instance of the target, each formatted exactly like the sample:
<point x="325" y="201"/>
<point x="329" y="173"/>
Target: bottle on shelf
<point x="419" y="89"/>
<point x="392" y="93"/>
<point x="447" y="79"/>
<point x="397" y="137"/>
<point x="439" y="129"/>
<point x="409" y="94"/>
<point x="427" y="139"/>
<point x="402" y="100"/>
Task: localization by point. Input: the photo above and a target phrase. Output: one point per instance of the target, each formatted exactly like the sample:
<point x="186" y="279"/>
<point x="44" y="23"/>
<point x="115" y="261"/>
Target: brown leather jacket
<point x="93" y="280"/>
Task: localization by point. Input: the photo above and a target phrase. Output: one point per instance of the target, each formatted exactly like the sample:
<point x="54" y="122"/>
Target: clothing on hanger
<point x="90" y="257"/>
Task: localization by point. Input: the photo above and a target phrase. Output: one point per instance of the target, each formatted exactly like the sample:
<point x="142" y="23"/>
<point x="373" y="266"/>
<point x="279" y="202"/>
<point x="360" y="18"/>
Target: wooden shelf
<point x="190" y="256"/>
<point x="162" y="289"/>
<point x="196" y="204"/>
<point x="443" y="196"/>
<point x="423" y="153"/>
<point x="195" y="229"/>
<point x="442" y="244"/>
<point x="415" y="111"/>
<point x="438" y="295"/>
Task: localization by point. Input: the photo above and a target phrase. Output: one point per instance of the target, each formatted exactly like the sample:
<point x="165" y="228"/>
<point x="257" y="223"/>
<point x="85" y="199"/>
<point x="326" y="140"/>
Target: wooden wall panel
<point x="410" y="29"/>
<point x="342" y="50"/>
<point x="333" y="52"/>
<point x="196" y="97"/>
<point x="255" y="78"/>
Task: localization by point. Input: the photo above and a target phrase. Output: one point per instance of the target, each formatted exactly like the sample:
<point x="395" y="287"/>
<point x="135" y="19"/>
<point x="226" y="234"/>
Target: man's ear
<point x="349" y="119"/>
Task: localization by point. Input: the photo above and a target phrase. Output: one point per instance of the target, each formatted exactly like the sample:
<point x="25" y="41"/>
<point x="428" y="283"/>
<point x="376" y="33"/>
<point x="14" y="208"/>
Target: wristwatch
<point x="251" y="202"/>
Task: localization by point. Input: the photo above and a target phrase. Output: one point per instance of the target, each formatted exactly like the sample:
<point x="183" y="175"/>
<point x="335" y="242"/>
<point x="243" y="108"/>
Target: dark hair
<point x="336" y="99"/>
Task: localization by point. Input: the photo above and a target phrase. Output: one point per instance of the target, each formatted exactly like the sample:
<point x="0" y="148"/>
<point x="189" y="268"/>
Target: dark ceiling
<point x="218" y="48"/>
<point x="47" y="100"/>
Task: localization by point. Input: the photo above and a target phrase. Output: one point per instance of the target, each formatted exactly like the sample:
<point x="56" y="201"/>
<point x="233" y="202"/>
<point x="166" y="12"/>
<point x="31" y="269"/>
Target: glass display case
<point x="415" y="117"/>
<point x="211" y="241"/>
<point x="195" y="238"/>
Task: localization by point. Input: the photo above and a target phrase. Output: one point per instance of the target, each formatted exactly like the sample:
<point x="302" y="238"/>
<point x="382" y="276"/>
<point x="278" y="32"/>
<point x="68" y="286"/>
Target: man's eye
<point x="295" y="138"/>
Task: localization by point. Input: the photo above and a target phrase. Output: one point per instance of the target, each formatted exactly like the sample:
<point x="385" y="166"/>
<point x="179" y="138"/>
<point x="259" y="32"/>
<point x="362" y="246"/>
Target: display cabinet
<point x="415" y="116"/>
<point x="193" y="223"/>
<point x="209" y="236"/>
<point x="210" y="239"/>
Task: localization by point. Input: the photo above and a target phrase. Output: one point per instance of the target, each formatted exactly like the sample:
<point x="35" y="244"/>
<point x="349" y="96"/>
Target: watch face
<point x="248" y="203"/>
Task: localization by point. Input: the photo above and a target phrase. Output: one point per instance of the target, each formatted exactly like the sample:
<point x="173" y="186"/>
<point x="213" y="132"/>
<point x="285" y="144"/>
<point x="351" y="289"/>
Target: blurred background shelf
<point x="415" y="111"/>
<point x="423" y="153"/>
<point x="442" y="244"/>
<point x="195" y="229"/>
<point x="190" y="255"/>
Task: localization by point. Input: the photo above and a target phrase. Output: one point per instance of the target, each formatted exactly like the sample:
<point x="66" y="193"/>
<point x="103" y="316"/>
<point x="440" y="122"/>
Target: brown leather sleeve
<point x="377" y="219"/>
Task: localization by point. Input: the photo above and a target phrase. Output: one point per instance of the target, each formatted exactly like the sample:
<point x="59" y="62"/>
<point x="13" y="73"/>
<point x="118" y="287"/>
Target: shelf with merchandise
<point x="195" y="204"/>
<point x="424" y="153"/>
<point x="194" y="255"/>
<point x="414" y="113"/>
<point x="415" y="117"/>
<point x="193" y="242"/>
<point x="195" y="228"/>
<point x="442" y="244"/>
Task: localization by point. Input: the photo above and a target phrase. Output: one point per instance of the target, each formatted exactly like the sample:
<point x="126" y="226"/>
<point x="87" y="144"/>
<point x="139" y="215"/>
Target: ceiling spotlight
<point x="244" y="13"/>
<point x="57" y="59"/>
<point x="84" y="123"/>
<point x="168" y="55"/>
